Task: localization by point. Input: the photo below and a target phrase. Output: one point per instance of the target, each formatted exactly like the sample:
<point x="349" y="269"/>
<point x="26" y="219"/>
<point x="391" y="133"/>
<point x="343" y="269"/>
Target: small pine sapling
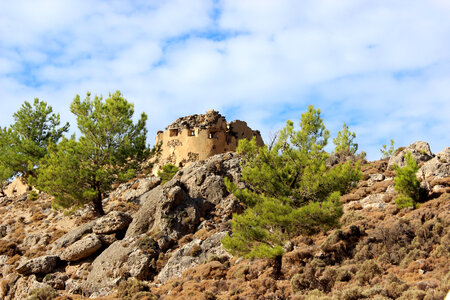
<point x="406" y="183"/>
<point x="344" y="141"/>
<point x="385" y="152"/>
<point x="167" y="172"/>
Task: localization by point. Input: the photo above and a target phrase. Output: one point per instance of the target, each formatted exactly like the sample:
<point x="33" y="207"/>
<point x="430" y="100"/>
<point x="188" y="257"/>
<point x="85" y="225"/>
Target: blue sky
<point x="383" y="67"/>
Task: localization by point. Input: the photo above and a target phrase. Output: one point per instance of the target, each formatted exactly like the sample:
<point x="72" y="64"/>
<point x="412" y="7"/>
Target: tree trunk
<point x="276" y="263"/>
<point x="98" y="206"/>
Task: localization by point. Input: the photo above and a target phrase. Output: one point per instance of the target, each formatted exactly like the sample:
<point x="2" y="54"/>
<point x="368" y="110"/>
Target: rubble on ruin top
<point x="198" y="121"/>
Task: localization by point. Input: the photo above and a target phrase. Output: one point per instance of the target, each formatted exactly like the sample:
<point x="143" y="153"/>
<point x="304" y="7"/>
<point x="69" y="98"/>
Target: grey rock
<point x="109" y="267"/>
<point x="56" y="280"/>
<point x="112" y="222"/>
<point x="185" y="258"/>
<point x="374" y="200"/>
<point x="438" y="167"/>
<point x="175" y="209"/>
<point x="73" y="286"/>
<point x="377" y="177"/>
<point x="39" y="265"/>
<point x="126" y="191"/>
<point x="82" y="248"/>
<point x="73" y="236"/>
<point x="419" y="150"/>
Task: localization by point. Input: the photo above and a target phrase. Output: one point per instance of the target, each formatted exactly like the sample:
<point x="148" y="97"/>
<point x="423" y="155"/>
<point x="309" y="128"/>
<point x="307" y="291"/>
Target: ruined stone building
<point x="197" y="137"/>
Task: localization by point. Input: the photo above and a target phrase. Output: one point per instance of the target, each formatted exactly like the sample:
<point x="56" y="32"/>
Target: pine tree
<point x="385" y="152"/>
<point x="292" y="192"/>
<point x="25" y="142"/>
<point x="406" y="183"/>
<point x="344" y="141"/>
<point x="111" y="149"/>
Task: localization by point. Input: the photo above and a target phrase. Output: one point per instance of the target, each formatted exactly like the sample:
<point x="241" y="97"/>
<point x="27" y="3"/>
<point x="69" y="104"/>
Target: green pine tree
<point x="167" y="172"/>
<point x="406" y="183"/>
<point x="344" y="141"/>
<point x="292" y="192"/>
<point x="385" y="152"/>
<point x="25" y="142"/>
<point x="111" y="149"/>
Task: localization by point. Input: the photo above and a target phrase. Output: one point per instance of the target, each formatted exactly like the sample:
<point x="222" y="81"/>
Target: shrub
<point x="33" y="195"/>
<point x="367" y="271"/>
<point x="134" y="289"/>
<point x="45" y="293"/>
<point x="406" y="183"/>
<point x="387" y="152"/>
<point x="167" y="172"/>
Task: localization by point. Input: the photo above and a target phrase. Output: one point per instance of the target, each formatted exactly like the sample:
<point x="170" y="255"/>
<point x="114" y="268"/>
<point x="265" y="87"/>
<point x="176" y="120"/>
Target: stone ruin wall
<point x="197" y="137"/>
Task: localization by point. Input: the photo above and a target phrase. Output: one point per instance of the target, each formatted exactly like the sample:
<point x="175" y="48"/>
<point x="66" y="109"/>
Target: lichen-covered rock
<point x="439" y="166"/>
<point x="176" y="208"/>
<point x="82" y="248"/>
<point x="39" y="265"/>
<point x="73" y="236"/>
<point x="112" y="222"/>
<point x="419" y="150"/>
<point x="194" y="253"/>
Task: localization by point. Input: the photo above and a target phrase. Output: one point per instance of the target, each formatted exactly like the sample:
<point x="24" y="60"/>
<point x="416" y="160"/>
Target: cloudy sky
<point x="383" y="67"/>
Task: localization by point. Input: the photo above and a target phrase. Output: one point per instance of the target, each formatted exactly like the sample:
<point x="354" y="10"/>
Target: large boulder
<point x="439" y="166"/>
<point x="73" y="236"/>
<point x="176" y="208"/>
<point x="122" y="259"/>
<point x="39" y="265"/>
<point x="130" y="191"/>
<point x="192" y="254"/>
<point x="419" y="150"/>
<point x="112" y="222"/>
<point x="82" y="248"/>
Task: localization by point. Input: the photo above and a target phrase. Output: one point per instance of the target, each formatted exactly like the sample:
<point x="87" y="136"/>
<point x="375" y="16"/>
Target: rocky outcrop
<point x="439" y="166"/>
<point x="112" y="222"/>
<point x="176" y="208"/>
<point x="130" y="191"/>
<point x="419" y="150"/>
<point x="82" y="248"/>
<point x="194" y="253"/>
<point x="39" y="265"/>
<point x="73" y="236"/>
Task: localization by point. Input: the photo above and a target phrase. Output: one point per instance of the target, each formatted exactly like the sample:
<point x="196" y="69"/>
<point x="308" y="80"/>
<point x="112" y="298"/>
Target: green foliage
<point x="406" y="183"/>
<point x="134" y="289"/>
<point x="111" y="149"/>
<point x="33" y="195"/>
<point x="167" y="172"/>
<point x="45" y="293"/>
<point x="344" y="141"/>
<point x="387" y="152"/>
<point x="292" y="192"/>
<point x="25" y="142"/>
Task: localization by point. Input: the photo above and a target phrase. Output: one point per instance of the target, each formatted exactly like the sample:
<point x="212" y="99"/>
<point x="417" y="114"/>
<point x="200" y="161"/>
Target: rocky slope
<point x="163" y="242"/>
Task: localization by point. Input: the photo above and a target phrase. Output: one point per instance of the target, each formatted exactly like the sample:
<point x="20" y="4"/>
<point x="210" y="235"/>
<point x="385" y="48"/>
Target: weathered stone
<point x="438" y="167"/>
<point x="377" y="177"/>
<point x="18" y="187"/>
<point x="112" y="222"/>
<point x="128" y="192"/>
<point x="39" y="265"/>
<point x="374" y="200"/>
<point x="194" y="253"/>
<point x="82" y="248"/>
<point x="73" y="236"/>
<point x="138" y="264"/>
<point x="419" y="150"/>
<point x="56" y="280"/>
<point x="108" y="268"/>
<point x="175" y="209"/>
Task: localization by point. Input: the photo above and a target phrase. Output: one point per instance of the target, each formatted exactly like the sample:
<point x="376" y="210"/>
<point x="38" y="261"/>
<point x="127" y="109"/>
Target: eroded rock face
<point x="110" y="267"/>
<point x="112" y="222"/>
<point x="175" y="209"/>
<point x="73" y="236"/>
<point x="194" y="253"/>
<point x="419" y="150"/>
<point x="82" y="248"/>
<point x="39" y="265"/>
<point x="439" y="166"/>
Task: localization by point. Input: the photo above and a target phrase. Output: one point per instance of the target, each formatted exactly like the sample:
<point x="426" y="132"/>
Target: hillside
<point x="163" y="241"/>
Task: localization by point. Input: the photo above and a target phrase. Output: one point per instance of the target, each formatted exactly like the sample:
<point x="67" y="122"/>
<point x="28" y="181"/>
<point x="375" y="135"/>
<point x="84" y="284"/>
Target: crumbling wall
<point x="197" y="137"/>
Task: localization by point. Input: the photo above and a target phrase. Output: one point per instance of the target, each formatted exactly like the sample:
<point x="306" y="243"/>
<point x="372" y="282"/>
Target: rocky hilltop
<point x="163" y="241"/>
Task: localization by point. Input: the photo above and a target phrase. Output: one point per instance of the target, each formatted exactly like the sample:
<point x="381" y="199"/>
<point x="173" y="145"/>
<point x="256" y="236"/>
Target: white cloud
<point x="380" y="66"/>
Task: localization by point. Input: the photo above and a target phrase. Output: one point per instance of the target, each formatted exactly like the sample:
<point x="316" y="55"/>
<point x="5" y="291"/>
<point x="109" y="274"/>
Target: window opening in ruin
<point x="173" y="132"/>
<point x="191" y="133"/>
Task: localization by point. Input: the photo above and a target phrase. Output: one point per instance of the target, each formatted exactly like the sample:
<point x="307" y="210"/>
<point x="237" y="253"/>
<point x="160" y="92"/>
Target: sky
<point x="382" y="67"/>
